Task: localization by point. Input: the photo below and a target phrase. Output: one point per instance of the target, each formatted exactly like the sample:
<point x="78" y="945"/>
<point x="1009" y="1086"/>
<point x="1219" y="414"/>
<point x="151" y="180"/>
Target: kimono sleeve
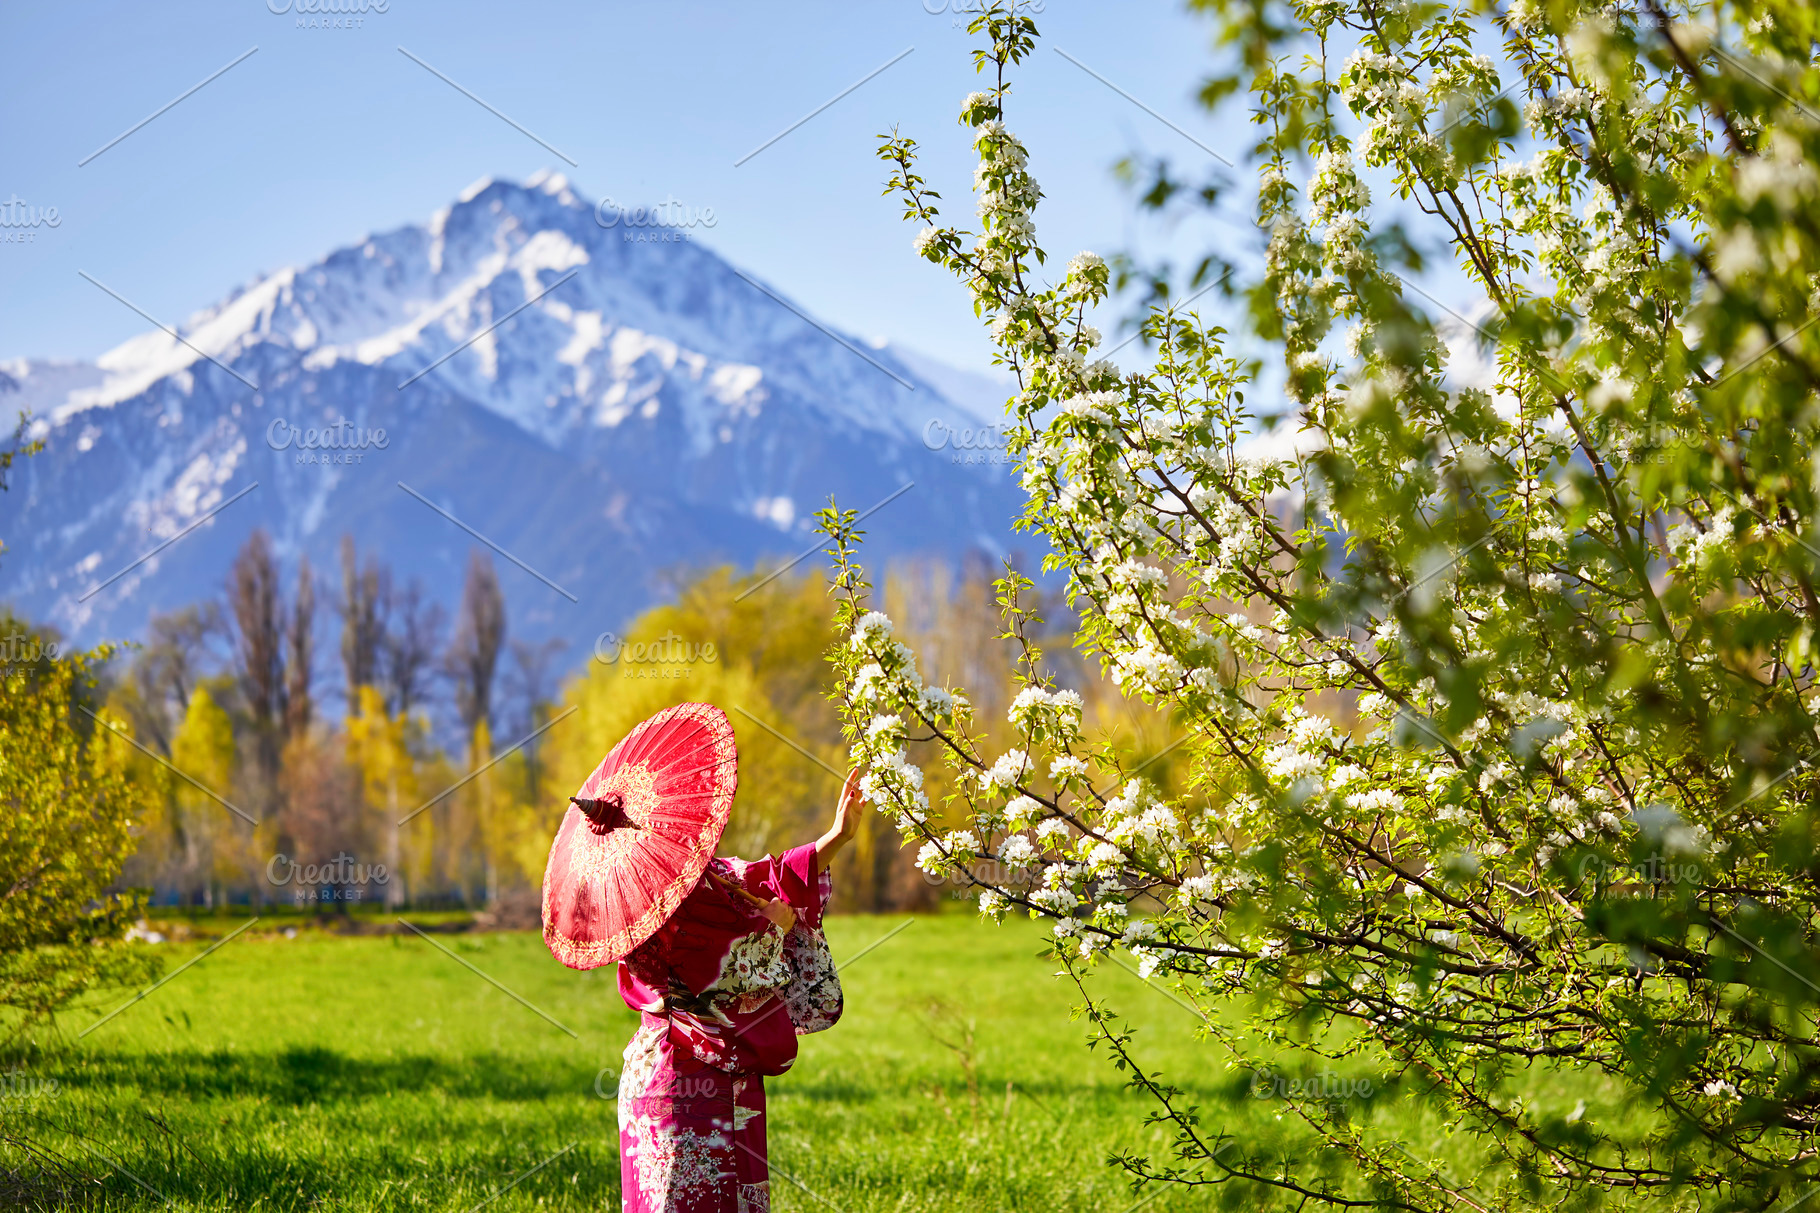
<point x="792" y="878"/>
<point x="813" y="994"/>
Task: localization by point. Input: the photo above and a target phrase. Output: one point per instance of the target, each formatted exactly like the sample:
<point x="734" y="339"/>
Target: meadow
<point x="379" y="1072"/>
<point x="387" y="1072"/>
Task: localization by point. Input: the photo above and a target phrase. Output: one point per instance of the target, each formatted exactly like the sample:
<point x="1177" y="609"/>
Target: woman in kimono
<point x="723" y="989"/>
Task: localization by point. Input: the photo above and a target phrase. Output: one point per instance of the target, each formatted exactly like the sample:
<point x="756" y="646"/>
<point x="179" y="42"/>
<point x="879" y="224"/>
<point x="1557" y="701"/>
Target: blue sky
<point x="323" y="135"/>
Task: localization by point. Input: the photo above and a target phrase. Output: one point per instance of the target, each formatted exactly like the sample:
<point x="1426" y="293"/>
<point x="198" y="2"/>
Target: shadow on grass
<point x="300" y="1076"/>
<point x="160" y="1169"/>
<point x="841" y="1089"/>
<point x="312" y="1075"/>
<point x="152" y="1132"/>
<point x="448" y="1156"/>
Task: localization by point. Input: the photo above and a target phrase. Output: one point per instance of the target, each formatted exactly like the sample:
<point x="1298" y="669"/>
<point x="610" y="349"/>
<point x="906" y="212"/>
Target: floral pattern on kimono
<point x="718" y="988"/>
<point x="691" y="1137"/>
<point x="813" y="998"/>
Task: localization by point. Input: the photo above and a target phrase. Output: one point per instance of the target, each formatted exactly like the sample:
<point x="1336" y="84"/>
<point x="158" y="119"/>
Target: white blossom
<point x="1017" y="851"/>
<point x="871" y="628"/>
<point x="1022" y="810"/>
<point x="1006" y="772"/>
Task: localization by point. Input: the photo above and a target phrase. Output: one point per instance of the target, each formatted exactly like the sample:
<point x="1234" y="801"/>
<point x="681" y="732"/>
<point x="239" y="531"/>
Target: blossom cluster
<point x="1526" y="598"/>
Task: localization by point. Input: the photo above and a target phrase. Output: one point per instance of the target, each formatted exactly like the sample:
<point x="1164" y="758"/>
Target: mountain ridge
<point x="597" y="408"/>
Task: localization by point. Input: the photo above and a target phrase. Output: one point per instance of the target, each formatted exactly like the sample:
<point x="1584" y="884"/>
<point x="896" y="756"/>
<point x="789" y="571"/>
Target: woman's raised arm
<point x="846" y="822"/>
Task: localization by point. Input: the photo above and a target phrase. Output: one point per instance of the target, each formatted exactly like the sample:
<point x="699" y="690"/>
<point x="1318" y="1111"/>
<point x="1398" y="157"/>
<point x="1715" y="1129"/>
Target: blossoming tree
<point x="1500" y="696"/>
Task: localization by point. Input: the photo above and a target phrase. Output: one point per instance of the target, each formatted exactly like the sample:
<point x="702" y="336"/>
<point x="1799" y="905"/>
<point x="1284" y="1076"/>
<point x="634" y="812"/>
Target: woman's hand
<point x="846" y="822"/>
<point x="779" y="912"/>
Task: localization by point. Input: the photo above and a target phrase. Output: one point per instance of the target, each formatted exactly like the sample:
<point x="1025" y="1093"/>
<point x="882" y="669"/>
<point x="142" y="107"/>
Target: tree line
<point x="402" y="764"/>
<point x="268" y="760"/>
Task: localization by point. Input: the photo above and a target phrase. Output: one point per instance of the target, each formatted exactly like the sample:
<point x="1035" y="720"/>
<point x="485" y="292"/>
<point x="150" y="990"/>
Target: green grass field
<point x="379" y="1073"/>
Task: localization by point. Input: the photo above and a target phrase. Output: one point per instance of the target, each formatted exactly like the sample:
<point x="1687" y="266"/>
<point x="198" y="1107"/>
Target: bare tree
<point x="165" y="672"/>
<point x="532" y="682"/>
<point x="480" y="632"/>
<point x="365" y="595"/>
<point x="409" y="648"/>
<point x="322" y="813"/>
<point x="300" y="664"/>
<point x="178" y="648"/>
<point x="255" y="597"/>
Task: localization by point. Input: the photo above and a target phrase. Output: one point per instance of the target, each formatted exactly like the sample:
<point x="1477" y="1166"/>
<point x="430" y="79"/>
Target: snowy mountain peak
<point x="427" y="295"/>
<point x="609" y="401"/>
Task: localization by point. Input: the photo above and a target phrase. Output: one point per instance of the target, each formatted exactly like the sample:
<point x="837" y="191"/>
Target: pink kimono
<point x="723" y="994"/>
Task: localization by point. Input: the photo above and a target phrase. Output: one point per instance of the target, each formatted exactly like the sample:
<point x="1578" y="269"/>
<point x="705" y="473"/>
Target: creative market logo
<point x="668" y="221"/>
<point x="668" y="656"/>
<point x="20" y="220"/>
<point x="24" y="650"/>
<point x="336" y="445"/>
<point x="327" y="14"/>
<point x="1328" y="1086"/>
<point x="19" y="1086"/>
<point x="964" y="11"/>
<point x="339" y="879"/>
<point x="975" y="445"/>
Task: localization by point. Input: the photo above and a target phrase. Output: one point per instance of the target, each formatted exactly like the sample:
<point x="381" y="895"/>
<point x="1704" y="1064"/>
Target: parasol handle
<point x="730" y="887"/>
<point x="779" y="912"/>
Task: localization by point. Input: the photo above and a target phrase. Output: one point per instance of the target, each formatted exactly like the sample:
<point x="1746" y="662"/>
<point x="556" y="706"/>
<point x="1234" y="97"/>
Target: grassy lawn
<point x="321" y="1072"/>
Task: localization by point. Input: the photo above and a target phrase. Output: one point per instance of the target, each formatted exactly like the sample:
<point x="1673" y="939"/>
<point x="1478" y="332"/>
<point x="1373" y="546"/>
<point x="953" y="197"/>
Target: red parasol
<point x="639" y="835"/>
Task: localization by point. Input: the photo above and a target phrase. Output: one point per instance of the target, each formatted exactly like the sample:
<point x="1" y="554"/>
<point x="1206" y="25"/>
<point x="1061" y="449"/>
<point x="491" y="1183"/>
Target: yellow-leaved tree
<point x="213" y="842"/>
<point x="752" y="649"/>
<point x="67" y="809"/>
<point x="388" y="774"/>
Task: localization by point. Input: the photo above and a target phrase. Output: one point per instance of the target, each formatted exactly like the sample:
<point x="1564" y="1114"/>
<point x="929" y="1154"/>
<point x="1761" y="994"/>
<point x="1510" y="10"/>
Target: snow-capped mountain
<point x="601" y="402"/>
